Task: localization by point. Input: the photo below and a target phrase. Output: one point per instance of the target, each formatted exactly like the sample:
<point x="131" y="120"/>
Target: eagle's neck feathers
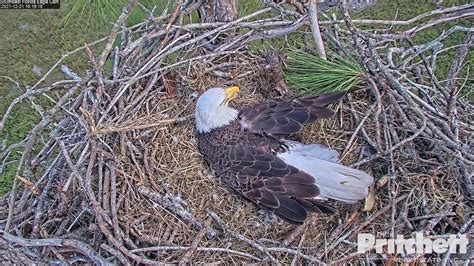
<point x="216" y="118"/>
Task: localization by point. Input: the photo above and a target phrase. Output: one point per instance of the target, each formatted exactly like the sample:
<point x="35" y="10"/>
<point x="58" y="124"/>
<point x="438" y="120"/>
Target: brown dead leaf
<point x="352" y="217"/>
<point x="29" y="185"/>
<point x="369" y="200"/>
<point x="169" y="81"/>
<point x="382" y="181"/>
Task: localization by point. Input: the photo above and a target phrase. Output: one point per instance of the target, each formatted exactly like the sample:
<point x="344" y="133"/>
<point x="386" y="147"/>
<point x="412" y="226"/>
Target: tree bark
<point x="224" y="10"/>
<point x="219" y="11"/>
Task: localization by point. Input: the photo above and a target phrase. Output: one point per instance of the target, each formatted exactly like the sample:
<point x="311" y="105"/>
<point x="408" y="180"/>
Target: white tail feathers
<point x="335" y="180"/>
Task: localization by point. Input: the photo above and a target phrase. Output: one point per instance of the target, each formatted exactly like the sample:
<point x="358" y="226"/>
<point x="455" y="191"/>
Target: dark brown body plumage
<point x="244" y="155"/>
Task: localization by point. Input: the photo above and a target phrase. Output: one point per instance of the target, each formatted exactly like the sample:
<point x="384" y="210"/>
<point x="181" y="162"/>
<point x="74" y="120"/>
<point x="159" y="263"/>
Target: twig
<point x="55" y="242"/>
<point x="464" y="229"/>
<point x="223" y="250"/>
<point x="313" y="14"/>
<point x="31" y="140"/>
<point x="300" y="244"/>
<point x="113" y="129"/>
<point x="116" y="253"/>
<point x="28" y="94"/>
<point x="365" y="223"/>
<point x="174" y="49"/>
<point x="186" y="258"/>
<point x="356" y="131"/>
<point x="298" y="230"/>
<point x="113" y="33"/>
<point x="174" y="205"/>
<point x="409" y="21"/>
<point x="439" y="21"/>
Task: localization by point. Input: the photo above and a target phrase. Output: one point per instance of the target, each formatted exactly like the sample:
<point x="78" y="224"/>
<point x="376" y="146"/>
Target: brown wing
<point x="287" y="117"/>
<point x="271" y="183"/>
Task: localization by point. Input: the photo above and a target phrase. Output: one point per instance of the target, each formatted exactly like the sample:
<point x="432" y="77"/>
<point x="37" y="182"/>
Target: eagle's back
<point x="213" y="145"/>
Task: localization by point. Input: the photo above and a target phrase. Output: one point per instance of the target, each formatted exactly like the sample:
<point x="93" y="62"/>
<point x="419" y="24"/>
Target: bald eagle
<point x="246" y="148"/>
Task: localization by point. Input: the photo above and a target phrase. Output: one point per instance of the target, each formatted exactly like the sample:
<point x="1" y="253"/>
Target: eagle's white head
<point x="212" y="110"/>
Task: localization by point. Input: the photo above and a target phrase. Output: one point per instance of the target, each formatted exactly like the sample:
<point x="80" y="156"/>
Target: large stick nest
<point x="111" y="173"/>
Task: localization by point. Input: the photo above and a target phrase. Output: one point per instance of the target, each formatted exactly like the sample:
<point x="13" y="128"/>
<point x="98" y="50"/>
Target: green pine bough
<point x="309" y="74"/>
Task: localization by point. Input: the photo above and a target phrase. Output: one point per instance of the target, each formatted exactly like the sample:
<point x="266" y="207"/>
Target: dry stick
<point x="464" y="229"/>
<point x="113" y="200"/>
<point x="356" y="130"/>
<point x="211" y="249"/>
<point x="50" y="145"/>
<point x="298" y="230"/>
<point x="12" y="147"/>
<point x="300" y="244"/>
<point x="27" y="192"/>
<point x="265" y="23"/>
<point x="162" y="54"/>
<point x="201" y="57"/>
<point x="115" y="30"/>
<point x="278" y="32"/>
<point x="378" y="111"/>
<point x="186" y="258"/>
<point x="113" y="129"/>
<point x="296" y="253"/>
<point x="450" y="85"/>
<point x="426" y="64"/>
<point x="318" y="40"/>
<point x="28" y="94"/>
<point x="393" y="148"/>
<point x="362" y="130"/>
<point x="76" y="245"/>
<point x="242" y="238"/>
<point x="446" y="209"/>
<point x="158" y="57"/>
<point x="438" y="21"/>
<point x="410" y="21"/>
<point x="173" y="205"/>
<point x="344" y="259"/>
<point x="139" y="99"/>
<point x="259" y="247"/>
<point x="64" y="56"/>
<point x="73" y="167"/>
<point x="104" y="178"/>
<point x="58" y="255"/>
<point x="116" y="253"/>
<point x="197" y="58"/>
<point x="284" y="11"/>
<point x="39" y="209"/>
<point x="429" y="216"/>
<point x="98" y="74"/>
<point x="417" y="50"/>
<point x="174" y="16"/>
<point x="262" y="23"/>
<point x="34" y="133"/>
<point x="365" y="223"/>
<point x="455" y="147"/>
<point x="99" y="212"/>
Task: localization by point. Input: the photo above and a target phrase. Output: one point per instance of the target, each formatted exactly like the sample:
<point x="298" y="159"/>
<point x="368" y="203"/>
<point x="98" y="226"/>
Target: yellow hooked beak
<point x="230" y="94"/>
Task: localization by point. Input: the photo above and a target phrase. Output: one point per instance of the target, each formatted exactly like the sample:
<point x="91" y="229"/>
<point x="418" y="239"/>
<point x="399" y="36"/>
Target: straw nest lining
<point x="119" y="178"/>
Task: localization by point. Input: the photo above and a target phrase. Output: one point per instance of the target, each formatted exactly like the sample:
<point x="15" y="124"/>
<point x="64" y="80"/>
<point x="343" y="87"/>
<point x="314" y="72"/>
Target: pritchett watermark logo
<point x="419" y="244"/>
